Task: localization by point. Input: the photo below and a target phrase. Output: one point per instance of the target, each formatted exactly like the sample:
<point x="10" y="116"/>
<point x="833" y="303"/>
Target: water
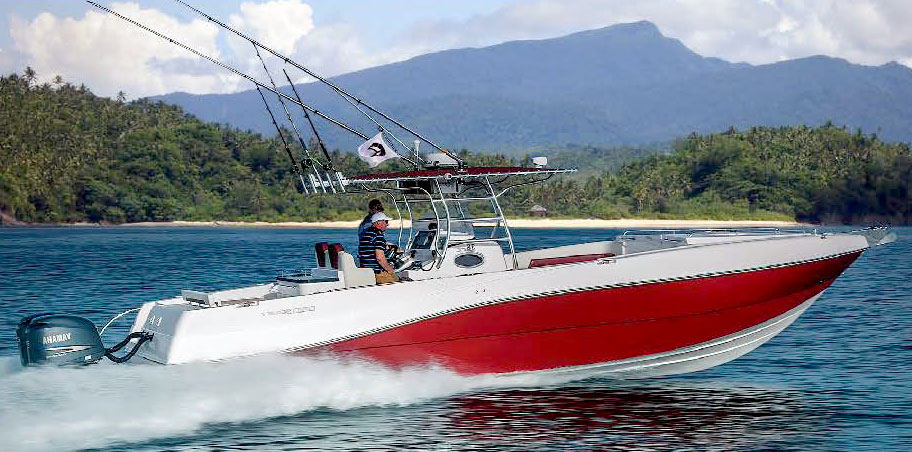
<point x="838" y="379"/>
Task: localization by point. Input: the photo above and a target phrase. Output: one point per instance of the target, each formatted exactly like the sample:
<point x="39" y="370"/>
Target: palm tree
<point x="29" y="75"/>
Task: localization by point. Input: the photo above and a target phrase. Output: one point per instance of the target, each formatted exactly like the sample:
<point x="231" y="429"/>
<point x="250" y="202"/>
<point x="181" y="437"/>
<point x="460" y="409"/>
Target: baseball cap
<point x="379" y="216"/>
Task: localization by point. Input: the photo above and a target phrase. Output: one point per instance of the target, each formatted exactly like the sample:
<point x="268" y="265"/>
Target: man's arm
<point x="381" y="259"/>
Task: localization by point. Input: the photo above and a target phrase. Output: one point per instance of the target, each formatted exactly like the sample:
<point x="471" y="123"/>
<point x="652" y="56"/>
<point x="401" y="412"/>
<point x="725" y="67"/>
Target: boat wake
<point x="57" y="408"/>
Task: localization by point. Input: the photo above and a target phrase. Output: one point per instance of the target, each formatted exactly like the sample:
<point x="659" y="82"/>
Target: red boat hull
<point x="599" y="325"/>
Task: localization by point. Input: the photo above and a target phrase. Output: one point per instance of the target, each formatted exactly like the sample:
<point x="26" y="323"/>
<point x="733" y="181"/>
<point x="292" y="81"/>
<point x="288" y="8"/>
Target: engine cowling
<point x="59" y="339"/>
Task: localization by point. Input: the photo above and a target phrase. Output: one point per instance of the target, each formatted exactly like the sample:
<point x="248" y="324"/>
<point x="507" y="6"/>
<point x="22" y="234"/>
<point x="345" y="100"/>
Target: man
<point x="373" y="207"/>
<point x="372" y="249"/>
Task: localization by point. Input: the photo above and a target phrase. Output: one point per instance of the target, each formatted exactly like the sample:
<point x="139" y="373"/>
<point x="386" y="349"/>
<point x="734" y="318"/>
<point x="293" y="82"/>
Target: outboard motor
<point x="65" y="339"/>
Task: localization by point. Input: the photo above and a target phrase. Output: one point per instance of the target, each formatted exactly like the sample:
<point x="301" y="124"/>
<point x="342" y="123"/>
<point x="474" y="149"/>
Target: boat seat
<point x="321" y="249"/>
<point x="353" y="275"/>
<point x="334" y="250"/>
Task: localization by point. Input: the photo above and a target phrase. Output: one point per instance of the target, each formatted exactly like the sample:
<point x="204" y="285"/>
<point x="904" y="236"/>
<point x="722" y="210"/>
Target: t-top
<point x="369" y="241"/>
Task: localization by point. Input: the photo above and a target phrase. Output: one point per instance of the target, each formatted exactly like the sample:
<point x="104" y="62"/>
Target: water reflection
<point x="589" y="415"/>
<point x="627" y="417"/>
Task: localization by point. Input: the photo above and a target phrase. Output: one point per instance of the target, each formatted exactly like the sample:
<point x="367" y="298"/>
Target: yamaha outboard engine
<point x="65" y="339"/>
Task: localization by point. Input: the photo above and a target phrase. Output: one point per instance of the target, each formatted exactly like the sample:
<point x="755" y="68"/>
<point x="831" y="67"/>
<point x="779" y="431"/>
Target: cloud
<point x="761" y="31"/>
<point x="336" y="49"/>
<point x="287" y="27"/>
<point x="278" y="24"/>
<point x="109" y="55"/>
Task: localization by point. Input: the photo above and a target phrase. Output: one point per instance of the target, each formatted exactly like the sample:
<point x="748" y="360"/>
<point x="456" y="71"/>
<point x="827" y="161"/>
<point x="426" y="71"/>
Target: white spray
<point x="64" y="408"/>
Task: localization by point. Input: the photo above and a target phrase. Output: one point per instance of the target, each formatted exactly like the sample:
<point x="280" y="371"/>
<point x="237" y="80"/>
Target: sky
<point x="85" y="45"/>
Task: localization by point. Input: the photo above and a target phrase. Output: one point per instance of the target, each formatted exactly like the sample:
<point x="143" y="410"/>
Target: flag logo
<point x="375" y="151"/>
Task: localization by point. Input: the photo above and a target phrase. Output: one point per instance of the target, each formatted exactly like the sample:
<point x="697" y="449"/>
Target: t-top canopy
<point x="455" y="173"/>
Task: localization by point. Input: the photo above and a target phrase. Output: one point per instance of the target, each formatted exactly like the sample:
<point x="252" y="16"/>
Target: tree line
<point x="67" y="155"/>
<point x="823" y="174"/>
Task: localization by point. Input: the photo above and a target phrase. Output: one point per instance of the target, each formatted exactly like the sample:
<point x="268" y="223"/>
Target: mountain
<point x="620" y="85"/>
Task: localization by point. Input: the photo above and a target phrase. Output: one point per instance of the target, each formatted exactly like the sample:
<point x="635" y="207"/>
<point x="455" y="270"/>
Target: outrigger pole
<point x="345" y="94"/>
<point x="295" y="129"/>
<point x="297" y="167"/>
<point x="288" y="115"/>
<point x="313" y="129"/>
<point x="233" y="70"/>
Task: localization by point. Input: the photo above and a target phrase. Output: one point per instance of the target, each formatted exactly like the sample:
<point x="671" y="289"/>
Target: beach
<point x="513" y="222"/>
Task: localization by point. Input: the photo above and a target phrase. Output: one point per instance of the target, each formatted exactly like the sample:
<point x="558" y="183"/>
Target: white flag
<point x="375" y="151"/>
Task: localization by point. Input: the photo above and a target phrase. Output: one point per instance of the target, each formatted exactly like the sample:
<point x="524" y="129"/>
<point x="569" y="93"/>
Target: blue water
<point x="839" y="379"/>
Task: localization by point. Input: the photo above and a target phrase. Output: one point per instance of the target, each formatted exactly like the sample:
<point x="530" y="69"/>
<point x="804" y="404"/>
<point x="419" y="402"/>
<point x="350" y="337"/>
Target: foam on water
<point x="65" y="408"/>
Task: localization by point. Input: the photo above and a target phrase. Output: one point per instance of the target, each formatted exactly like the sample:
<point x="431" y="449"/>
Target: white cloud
<point x="862" y="31"/>
<point x="336" y="49"/>
<point x="278" y="24"/>
<point x="756" y="31"/>
<point x="287" y="26"/>
<point x="109" y="55"/>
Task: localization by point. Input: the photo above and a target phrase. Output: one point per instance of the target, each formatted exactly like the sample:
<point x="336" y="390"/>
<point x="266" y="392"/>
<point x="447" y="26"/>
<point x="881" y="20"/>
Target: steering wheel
<point x="398" y="259"/>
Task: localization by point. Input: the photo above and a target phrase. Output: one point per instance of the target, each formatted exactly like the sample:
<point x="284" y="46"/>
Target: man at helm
<point x="372" y="249"/>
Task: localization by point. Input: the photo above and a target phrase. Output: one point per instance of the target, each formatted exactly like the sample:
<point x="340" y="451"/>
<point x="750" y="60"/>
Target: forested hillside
<point x="824" y="174"/>
<point x="626" y="84"/>
<point x="67" y="155"/>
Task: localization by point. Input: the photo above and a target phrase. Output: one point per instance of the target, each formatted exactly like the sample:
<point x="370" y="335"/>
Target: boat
<point x="644" y="303"/>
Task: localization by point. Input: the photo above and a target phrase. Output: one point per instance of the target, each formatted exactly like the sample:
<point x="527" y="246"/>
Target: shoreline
<point x="519" y="223"/>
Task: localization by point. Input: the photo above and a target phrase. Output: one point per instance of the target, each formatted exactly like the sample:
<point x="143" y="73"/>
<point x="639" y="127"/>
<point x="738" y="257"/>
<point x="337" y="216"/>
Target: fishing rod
<point x="313" y="128"/>
<point x="232" y="69"/>
<point x="297" y="167"/>
<point x="340" y="91"/>
<point x="382" y="129"/>
<point x="348" y="97"/>
<point x="294" y="128"/>
<point x="299" y="98"/>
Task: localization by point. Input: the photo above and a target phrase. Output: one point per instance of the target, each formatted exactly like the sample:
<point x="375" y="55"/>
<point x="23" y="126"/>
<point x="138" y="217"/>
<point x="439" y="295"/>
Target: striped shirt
<point x="369" y="241"/>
